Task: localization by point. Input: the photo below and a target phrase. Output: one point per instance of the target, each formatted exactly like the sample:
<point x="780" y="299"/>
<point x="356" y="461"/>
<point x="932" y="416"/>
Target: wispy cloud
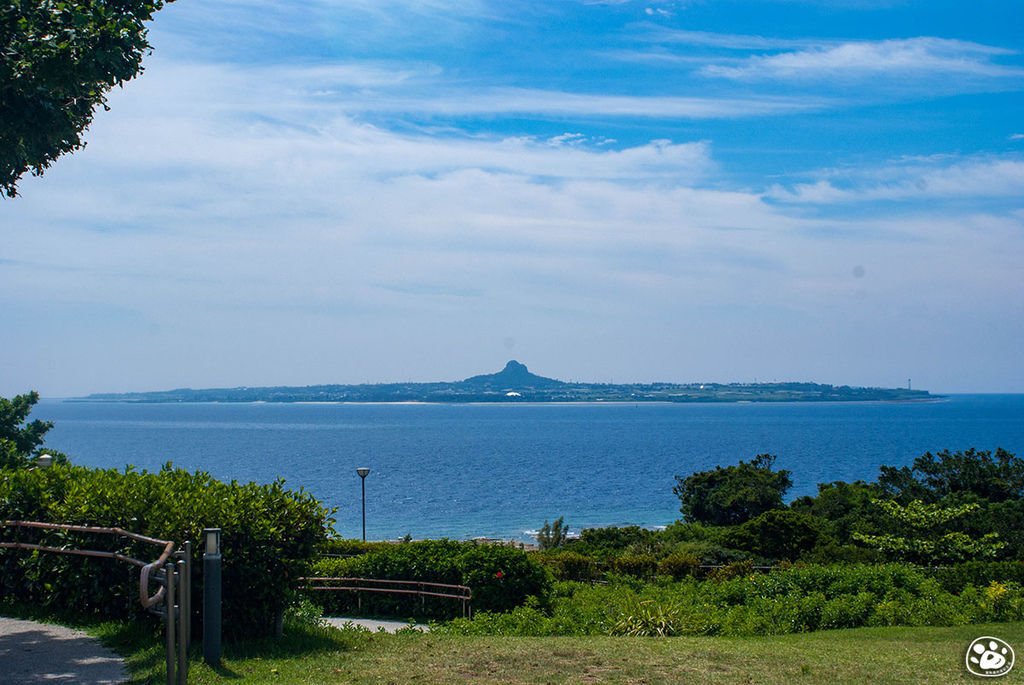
<point x="373" y="184"/>
<point x="729" y="41"/>
<point x="888" y="59"/>
<point x="915" y="180"/>
<point x="515" y="101"/>
<point x="424" y="90"/>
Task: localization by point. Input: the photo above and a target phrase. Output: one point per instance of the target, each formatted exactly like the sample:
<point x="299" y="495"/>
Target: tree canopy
<point x="20" y="439"/>
<point x="730" y="495"/>
<point x="58" y="60"/>
<point x="994" y="477"/>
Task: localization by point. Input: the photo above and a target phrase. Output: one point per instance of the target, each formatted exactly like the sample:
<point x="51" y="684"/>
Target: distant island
<point x="515" y="383"/>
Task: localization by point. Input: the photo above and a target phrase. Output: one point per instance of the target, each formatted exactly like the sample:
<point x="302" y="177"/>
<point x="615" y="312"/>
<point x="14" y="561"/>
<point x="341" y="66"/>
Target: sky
<point x="328" y="191"/>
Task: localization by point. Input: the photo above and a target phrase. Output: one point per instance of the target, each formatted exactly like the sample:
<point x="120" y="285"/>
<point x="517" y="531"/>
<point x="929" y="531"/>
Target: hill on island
<point x="515" y="383"/>
<point x="514" y="376"/>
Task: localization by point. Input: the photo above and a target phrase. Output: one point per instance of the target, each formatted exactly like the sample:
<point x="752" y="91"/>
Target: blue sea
<point x="468" y="470"/>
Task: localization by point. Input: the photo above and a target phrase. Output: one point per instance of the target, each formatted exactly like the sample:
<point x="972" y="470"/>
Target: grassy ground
<point x="315" y="655"/>
<point x="875" y="655"/>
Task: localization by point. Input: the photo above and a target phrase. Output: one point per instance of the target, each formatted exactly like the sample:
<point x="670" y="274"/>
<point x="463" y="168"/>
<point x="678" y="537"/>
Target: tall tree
<point x="995" y="477"/>
<point x="20" y="439"/>
<point x="58" y="60"/>
<point x="927" y="534"/>
<point x="729" y="495"/>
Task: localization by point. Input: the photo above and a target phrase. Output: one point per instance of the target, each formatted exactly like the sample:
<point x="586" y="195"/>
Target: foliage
<point x="678" y="565"/>
<point x="269" y="536"/>
<point x="604" y="543"/>
<point x="799" y="599"/>
<point x="1006" y="519"/>
<point x="500" y="577"/>
<point x="570" y="565"/>
<point x="730" y="495"/>
<point x="553" y="535"/>
<point x="777" y="534"/>
<point x="20" y="439"/>
<point x="993" y="477"/>
<point x="927" y="538"/>
<point x="979" y="573"/>
<point x="58" y="60"/>
<point x="638" y="565"/>
<point x="844" y="508"/>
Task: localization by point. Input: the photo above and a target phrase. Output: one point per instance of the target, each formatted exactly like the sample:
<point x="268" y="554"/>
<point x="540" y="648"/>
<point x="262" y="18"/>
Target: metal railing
<point x="171" y="572"/>
<point x="423" y="589"/>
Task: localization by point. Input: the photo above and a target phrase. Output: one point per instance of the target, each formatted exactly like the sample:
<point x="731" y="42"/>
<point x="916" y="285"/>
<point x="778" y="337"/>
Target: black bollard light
<point x="211" y="596"/>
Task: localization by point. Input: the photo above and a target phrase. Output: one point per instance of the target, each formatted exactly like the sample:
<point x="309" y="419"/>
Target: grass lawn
<point x="864" y="655"/>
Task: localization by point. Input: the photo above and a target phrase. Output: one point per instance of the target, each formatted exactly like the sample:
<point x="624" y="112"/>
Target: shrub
<point x="736" y="569"/>
<point x="978" y="573"/>
<point x="638" y="565"/>
<point x="710" y="553"/>
<point x="269" y="536"/>
<point x="777" y="534"/>
<point x="603" y="543"/>
<point x="569" y="565"/>
<point x="649" y="619"/>
<point x="678" y="565"/>
<point x="500" y="577"/>
<point x="798" y="599"/>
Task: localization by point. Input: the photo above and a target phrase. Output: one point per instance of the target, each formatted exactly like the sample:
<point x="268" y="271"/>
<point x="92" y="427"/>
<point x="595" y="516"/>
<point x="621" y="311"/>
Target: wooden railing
<point x="423" y="589"/>
<point x="171" y="571"/>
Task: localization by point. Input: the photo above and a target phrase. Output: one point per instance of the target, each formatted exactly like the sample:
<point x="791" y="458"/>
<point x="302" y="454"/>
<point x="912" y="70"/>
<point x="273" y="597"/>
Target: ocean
<point x="468" y="470"/>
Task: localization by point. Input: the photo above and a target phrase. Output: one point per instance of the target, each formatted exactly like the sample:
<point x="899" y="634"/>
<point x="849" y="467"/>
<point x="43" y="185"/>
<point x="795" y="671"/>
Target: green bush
<point x="638" y="565"/>
<point x="777" y="534"/>
<point x="798" y="599"/>
<point x="500" y="577"/>
<point x="346" y="547"/>
<point x="736" y="569"/>
<point x="678" y="565"/>
<point x="569" y="565"/>
<point x="709" y="553"/>
<point x="603" y="543"/>
<point x="978" y="573"/>
<point x="269" y="536"/>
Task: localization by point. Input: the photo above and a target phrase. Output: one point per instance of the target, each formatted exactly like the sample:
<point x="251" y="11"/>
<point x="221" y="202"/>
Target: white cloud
<point x="729" y="41"/>
<point x="941" y="178"/>
<point x="887" y="58"/>
<point x="253" y="217"/>
<point x="1017" y="136"/>
<point x="526" y="101"/>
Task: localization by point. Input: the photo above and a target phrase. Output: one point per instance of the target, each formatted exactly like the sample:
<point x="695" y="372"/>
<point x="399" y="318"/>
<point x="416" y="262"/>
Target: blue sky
<point x="385" y="190"/>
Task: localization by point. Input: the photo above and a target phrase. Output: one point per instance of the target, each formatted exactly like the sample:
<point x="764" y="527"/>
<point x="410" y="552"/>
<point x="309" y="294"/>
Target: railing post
<point x="182" y="619"/>
<point x="186" y="603"/>
<point x="211" y="596"/>
<point x="169" y="620"/>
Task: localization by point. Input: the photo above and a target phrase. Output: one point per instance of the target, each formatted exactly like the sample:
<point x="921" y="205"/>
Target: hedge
<point x="500" y="577"/>
<point x="269" y="536"/>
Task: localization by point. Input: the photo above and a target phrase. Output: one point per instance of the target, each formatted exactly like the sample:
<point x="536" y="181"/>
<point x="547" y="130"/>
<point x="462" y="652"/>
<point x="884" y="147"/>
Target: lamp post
<point x="363" y="473"/>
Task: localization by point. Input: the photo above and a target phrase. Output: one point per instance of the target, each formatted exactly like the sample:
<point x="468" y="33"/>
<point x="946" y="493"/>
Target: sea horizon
<point x="499" y="470"/>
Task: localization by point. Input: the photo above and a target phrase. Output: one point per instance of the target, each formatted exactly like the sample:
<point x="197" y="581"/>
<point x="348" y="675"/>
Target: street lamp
<point x="363" y="473"/>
